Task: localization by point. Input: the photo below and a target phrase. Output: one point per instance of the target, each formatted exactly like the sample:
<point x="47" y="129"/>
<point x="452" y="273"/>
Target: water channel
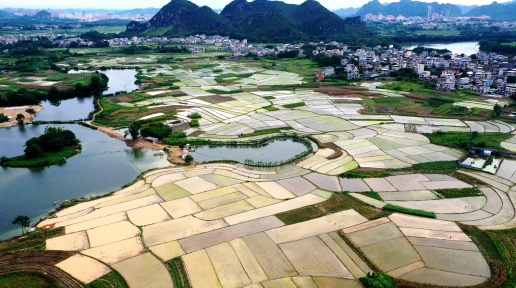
<point x="104" y="165"/>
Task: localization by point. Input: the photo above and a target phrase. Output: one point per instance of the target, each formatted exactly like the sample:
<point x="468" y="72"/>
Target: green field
<point x="25" y="280"/>
<point x="111" y="280"/>
<point x="505" y="242"/>
<point x="467" y="140"/>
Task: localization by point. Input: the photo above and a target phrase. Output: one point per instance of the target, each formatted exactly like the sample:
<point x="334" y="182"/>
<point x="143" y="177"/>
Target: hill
<point x="496" y="10"/>
<point x="6" y="15"/>
<point x="346" y="12"/>
<point x="259" y="21"/>
<point x="42" y="15"/>
<point x="408" y="8"/>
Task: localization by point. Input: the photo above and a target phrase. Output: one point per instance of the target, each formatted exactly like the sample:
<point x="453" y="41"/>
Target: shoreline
<point x="12" y="111"/>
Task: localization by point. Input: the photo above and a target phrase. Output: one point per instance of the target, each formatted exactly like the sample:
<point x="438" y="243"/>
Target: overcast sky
<point x="130" y="4"/>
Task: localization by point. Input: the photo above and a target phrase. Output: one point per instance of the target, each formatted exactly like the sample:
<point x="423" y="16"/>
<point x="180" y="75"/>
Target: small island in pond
<point x="53" y="147"/>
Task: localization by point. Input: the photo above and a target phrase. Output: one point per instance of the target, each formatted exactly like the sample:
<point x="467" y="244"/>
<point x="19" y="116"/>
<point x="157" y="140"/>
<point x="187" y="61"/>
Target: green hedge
<point x="404" y="210"/>
<point x="294" y="105"/>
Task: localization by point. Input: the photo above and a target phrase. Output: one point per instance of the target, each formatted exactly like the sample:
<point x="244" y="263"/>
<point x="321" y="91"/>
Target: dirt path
<point x="139" y="143"/>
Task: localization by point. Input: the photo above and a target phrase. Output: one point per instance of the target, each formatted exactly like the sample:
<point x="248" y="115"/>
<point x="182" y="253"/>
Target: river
<point x="467" y="48"/>
<point x="104" y="164"/>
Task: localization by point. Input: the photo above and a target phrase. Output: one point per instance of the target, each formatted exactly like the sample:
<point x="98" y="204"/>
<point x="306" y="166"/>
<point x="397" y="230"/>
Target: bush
<point x="3" y="118"/>
<point x="194" y="123"/>
<point x="377" y="280"/>
<point x="195" y="115"/>
<point x="188" y="159"/>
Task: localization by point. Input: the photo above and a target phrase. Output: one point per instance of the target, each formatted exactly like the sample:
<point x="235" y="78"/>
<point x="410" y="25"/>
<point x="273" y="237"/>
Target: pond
<point x="79" y="108"/>
<point x="104" y="165"/>
<point x="280" y="149"/>
<point x="467" y="48"/>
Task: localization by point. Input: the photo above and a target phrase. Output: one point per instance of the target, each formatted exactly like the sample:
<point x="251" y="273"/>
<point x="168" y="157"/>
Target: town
<point x="489" y="74"/>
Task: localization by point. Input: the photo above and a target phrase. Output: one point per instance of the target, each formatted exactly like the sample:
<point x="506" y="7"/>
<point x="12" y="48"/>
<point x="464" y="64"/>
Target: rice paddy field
<point x="302" y="224"/>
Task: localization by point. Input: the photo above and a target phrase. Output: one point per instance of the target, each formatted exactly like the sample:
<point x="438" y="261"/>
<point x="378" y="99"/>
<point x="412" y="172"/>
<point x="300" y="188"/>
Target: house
<point x="329" y="71"/>
<point x="510" y="89"/>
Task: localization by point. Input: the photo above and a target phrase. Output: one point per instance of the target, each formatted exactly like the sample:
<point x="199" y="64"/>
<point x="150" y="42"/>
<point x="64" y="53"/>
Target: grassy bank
<point x="47" y="159"/>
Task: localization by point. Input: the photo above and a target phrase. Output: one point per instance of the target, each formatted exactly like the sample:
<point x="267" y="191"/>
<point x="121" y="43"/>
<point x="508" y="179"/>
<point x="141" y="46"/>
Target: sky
<point x="130" y="4"/>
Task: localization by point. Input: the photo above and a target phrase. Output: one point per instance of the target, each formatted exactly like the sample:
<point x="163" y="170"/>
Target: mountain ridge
<point x="260" y="20"/>
<point x="497" y="11"/>
<point x="408" y="8"/>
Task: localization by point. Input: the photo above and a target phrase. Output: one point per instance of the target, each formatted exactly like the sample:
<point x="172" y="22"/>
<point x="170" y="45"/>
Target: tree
<point x="20" y="119"/>
<point x="497" y="111"/>
<point x="32" y="112"/>
<point x="23" y="221"/>
<point x="134" y="130"/>
<point x="188" y="159"/>
<point x="33" y="151"/>
<point x="511" y="79"/>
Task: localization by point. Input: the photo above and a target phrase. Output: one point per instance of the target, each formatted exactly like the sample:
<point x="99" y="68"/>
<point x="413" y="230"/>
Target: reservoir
<point x="467" y="48"/>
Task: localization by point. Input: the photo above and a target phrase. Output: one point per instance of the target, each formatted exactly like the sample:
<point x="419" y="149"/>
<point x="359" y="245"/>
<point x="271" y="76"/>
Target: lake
<point x="467" y="48"/>
<point x="280" y="149"/>
<point x="104" y="164"/>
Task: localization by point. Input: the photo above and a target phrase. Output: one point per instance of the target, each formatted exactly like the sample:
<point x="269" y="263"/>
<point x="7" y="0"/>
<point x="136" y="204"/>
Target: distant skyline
<point x="215" y="4"/>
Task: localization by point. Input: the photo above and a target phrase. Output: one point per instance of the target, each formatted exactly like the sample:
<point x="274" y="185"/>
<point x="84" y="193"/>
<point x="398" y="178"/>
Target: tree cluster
<point x="404" y="74"/>
<point x="156" y="130"/>
<point x="54" y="139"/>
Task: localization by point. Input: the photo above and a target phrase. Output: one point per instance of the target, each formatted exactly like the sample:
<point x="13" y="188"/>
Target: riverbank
<point x="13" y="111"/>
